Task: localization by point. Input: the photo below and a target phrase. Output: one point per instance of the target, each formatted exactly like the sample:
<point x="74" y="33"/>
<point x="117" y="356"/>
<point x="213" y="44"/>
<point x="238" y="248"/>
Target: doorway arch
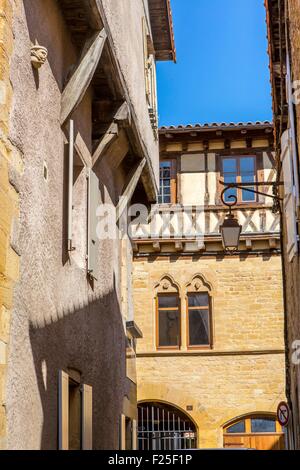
<point x="162" y="426"/>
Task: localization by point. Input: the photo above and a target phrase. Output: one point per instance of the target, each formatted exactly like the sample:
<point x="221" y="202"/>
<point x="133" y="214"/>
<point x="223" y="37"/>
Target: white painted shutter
<point x="134" y="435"/>
<point x="146" y="55"/>
<point x="123" y="432"/>
<point x="290" y="101"/>
<point x="63" y="411"/>
<point x="93" y="241"/>
<point x="87" y="417"/>
<point x="70" y="185"/>
<point x="289" y="195"/>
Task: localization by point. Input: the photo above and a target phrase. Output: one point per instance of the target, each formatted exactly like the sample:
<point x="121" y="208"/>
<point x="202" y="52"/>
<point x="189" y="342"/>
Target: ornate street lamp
<point x="231" y="229"/>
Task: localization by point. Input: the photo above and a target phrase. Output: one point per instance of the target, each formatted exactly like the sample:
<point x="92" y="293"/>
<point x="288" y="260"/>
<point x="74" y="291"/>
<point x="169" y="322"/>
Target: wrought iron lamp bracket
<point x="247" y="187"/>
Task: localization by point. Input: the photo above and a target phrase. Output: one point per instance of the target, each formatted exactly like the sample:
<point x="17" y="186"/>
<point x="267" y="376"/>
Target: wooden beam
<point x="83" y="151"/>
<point x="93" y="13"/>
<point x="135" y="247"/>
<point x="129" y="190"/>
<point x="109" y="137"/>
<point x="121" y="118"/>
<point x="157" y="247"/>
<point x="82" y="77"/>
<point x="123" y="114"/>
<point x="179" y="246"/>
<point x="248" y="243"/>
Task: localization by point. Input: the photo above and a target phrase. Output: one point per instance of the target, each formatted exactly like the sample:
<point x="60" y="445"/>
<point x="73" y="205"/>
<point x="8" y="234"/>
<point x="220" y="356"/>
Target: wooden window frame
<point x="239" y="176"/>
<point x="173" y="180"/>
<point x="248" y="432"/>
<point x="235" y="153"/>
<point x="209" y="308"/>
<point x="167" y="348"/>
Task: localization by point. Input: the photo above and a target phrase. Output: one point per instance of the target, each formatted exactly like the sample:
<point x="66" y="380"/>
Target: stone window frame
<point x="167" y="285"/>
<point x="197" y="285"/>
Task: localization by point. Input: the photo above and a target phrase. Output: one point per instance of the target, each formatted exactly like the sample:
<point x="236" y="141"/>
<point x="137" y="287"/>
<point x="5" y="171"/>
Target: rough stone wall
<point x="244" y="372"/>
<point x="10" y="167"/>
<point x="59" y="319"/>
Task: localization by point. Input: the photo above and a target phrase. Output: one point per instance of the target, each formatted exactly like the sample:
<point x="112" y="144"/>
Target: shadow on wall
<point x="91" y="340"/>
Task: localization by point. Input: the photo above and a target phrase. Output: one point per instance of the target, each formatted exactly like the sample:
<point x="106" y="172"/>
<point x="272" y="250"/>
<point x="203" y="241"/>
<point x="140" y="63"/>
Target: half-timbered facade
<point x="80" y="134"/>
<point x="210" y="365"/>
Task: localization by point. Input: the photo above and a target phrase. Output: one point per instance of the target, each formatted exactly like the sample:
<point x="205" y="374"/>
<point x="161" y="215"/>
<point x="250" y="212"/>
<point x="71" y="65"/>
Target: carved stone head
<point x="39" y="56"/>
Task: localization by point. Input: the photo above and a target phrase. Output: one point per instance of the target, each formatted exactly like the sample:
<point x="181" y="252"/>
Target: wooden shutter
<point x="289" y="195"/>
<point x="63" y="411"/>
<point x="123" y="432"/>
<point x="146" y="57"/>
<point x="93" y="240"/>
<point x="70" y="185"/>
<point x="173" y="181"/>
<point x="134" y="435"/>
<point x="87" y="417"/>
<point x="289" y="89"/>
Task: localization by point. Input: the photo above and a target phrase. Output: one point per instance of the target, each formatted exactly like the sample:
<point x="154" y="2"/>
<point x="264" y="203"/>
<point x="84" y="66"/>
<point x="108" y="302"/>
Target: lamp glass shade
<point x="231" y="231"/>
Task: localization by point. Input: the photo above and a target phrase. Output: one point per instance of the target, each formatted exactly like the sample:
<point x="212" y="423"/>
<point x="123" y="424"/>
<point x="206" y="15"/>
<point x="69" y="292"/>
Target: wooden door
<point x="241" y="434"/>
<point x="258" y="442"/>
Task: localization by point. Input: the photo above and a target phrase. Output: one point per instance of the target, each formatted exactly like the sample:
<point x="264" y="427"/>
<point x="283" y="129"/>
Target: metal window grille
<point x="163" y="428"/>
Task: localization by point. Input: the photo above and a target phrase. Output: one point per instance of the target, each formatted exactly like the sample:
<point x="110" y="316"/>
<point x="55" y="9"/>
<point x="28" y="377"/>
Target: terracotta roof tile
<point x="215" y="125"/>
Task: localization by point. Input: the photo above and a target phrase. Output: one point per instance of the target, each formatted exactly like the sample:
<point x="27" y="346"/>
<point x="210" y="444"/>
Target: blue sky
<point x="222" y="64"/>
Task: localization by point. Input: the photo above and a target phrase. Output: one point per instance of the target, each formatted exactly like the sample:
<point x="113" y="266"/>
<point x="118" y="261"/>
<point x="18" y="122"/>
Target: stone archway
<point x="162" y="426"/>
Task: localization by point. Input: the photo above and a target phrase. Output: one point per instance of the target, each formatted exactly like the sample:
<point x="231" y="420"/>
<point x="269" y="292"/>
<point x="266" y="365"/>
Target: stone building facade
<point x="283" y="20"/>
<point x="78" y="130"/>
<point x="211" y="362"/>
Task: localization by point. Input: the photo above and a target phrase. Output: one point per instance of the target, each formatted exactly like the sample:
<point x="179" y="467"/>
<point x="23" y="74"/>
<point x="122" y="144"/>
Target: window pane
<point x="168" y="301"/>
<point x="199" y="328"/>
<point x="168" y="327"/>
<point x="247" y="196"/>
<point x="263" y="425"/>
<point x="247" y="165"/>
<point x="229" y="193"/>
<point x="230" y="176"/>
<point x="237" y="428"/>
<point x="167" y="190"/>
<point x="229" y="165"/>
<point x="165" y="164"/>
<point x="248" y="178"/>
<point x="198" y="300"/>
<point x="167" y="200"/>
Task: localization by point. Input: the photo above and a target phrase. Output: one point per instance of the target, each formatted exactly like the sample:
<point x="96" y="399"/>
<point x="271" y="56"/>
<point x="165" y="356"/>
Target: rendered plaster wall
<point x="59" y="319"/>
<point x="128" y="42"/>
<point x="244" y="372"/>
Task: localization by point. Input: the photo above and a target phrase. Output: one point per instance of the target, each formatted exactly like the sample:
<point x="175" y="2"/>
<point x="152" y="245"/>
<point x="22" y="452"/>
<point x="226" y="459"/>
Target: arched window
<point x="257" y="431"/>
<point x="199" y="314"/>
<point x="168" y="315"/>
